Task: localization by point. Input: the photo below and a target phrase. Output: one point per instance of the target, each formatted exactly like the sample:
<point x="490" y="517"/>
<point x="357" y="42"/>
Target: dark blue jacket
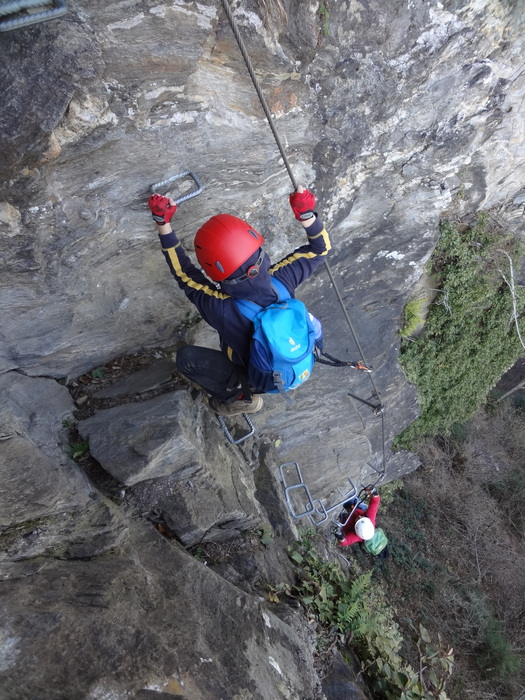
<point x="217" y="306"/>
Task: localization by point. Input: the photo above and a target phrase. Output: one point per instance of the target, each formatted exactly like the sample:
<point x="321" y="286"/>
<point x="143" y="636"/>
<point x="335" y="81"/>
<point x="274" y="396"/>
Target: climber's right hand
<point x="162" y="208"/>
<point x="303" y="204"/>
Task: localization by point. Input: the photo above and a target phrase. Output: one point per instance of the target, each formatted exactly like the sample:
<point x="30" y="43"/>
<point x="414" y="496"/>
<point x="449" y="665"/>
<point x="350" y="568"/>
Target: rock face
<point x="392" y="113"/>
<point x="177" y="463"/>
<point x="98" y="604"/>
<point x="146" y="617"/>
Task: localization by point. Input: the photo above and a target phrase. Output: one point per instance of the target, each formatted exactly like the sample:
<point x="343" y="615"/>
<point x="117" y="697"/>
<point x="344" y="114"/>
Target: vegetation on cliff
<point x="354" y="612"/>
<point x="457" y="535"/>
<point x="443" y="616"/>
<point x="471" y="335"/>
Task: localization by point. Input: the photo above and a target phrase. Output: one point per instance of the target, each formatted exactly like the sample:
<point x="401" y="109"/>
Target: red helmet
<point x="223" y="244"/>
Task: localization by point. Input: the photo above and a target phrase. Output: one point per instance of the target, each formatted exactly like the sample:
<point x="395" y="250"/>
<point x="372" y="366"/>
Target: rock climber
<point x="360" y="526"/>
<point x="229" y="251"/>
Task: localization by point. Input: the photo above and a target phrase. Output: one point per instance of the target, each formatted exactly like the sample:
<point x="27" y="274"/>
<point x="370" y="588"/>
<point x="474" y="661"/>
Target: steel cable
<point x="269" y="118"/>
<point x="240" y="42"/>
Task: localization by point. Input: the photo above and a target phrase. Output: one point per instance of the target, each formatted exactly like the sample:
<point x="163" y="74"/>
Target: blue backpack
<point x="283" y="342"/>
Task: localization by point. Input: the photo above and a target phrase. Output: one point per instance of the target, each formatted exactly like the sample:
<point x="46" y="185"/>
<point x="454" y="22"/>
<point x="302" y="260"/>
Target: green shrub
<point x="413" y="315"/>
<point x="79" y="449"/>
<point x="389" y="492"/>
<point x="468" y="340"/>
<point x="497" y="659"/>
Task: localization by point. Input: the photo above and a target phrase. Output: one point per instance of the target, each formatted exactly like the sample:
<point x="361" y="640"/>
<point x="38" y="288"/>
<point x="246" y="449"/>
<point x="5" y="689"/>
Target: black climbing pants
<point x="211" y="370"/>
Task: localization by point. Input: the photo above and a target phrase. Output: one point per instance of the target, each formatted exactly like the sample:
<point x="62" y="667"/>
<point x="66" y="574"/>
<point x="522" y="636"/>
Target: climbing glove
<point x="161" y="209"/>
<point x="303" y="204"/>
<point x="336" y="531"/>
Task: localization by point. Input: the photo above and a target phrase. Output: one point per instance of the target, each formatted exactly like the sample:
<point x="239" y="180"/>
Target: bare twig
<point x="511" y="391"/>
<point x="511" y="286"/>
<point x="476" y="552"/>
<point x="444" y="301"/>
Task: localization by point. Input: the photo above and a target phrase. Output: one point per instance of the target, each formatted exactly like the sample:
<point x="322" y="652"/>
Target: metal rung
<point x="297" y="473"/>
<point x="320" y="511"/>
<point x="352" y="493"/>
<point x="314" y="509"/>
<point x="15" y="22"/>
<point x="187" y="173"/>
<point x="225" y="430"/>
<point x="345" y="522"/>
<point x="11" y="7"/>
<point x="309" y="504"/>
<point x="298" y="486"/>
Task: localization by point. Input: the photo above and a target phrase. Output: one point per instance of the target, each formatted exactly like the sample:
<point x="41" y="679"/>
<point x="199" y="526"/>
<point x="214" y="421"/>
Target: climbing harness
<point x="326" y="359"/>
<point x="15" y="14"/>
<point x="378" y="408"/>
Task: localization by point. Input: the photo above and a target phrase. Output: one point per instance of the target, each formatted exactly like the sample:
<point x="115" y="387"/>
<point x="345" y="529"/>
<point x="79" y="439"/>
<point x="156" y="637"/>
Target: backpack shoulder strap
<point x="282" y="293"/>
<point x="249" y="309"/>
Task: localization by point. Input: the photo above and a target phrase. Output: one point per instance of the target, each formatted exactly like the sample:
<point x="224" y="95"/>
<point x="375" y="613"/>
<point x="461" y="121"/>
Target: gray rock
<point x="47" y="505"/>
<point x="173" y="453"/>
<point x="148" y="379"/>
<point x="148" y="617"/>
<point x="377" y="117"/>
<point x="145" y="440"/>
<point x="340" y="683"/>
<point x="38" y="478"/>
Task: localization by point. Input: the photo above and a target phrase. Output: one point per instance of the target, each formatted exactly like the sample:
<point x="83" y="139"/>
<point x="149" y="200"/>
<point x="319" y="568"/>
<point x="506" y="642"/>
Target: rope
<point x="251" y="71"/>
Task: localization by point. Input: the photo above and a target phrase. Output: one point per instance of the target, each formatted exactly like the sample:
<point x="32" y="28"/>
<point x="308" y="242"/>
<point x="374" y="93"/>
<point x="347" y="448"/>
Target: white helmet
<point x="364" y="528"/>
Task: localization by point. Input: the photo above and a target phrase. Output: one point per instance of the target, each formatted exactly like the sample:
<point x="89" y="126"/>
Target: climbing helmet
<point x="224" y="243"/>
<point x="364" y="528"/>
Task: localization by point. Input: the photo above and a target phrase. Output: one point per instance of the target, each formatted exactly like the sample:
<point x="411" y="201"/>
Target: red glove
<point x="161" y="208"/>
<point x="302" y="204"/>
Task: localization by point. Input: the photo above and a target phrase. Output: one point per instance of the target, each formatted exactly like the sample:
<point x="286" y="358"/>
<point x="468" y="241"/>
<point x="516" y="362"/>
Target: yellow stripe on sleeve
<point x="326" y="238"/>
<point x="309" y="255"/>
<point x="187" y="280"/>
